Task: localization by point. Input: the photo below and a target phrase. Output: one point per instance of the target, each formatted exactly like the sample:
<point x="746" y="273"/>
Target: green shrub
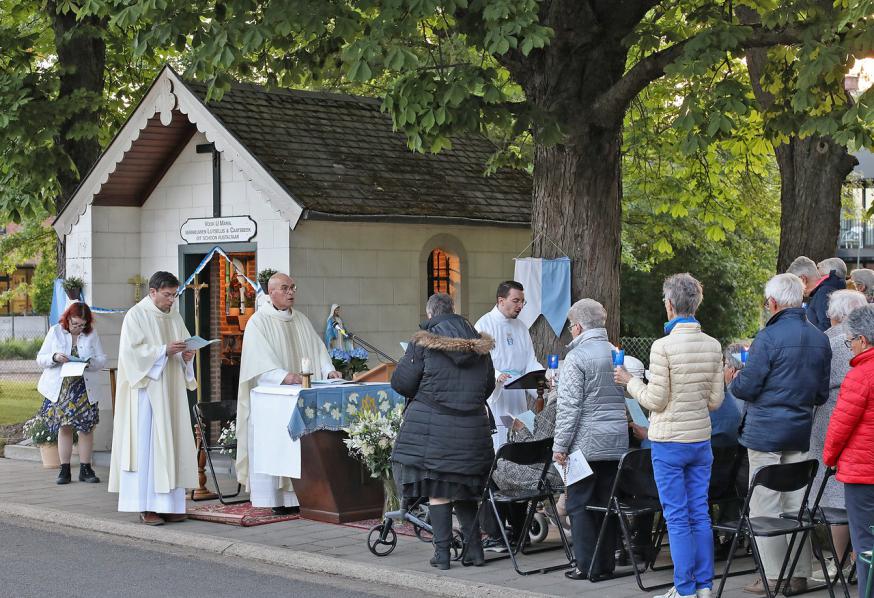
<point x="20" y="348"/>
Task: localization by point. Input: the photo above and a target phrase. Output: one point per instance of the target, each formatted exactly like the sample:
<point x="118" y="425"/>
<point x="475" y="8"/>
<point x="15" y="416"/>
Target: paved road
<point x="44" y="563"/>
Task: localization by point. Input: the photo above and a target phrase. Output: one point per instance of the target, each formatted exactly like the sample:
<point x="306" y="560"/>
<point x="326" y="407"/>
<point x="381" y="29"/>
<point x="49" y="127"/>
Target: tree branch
<point x="612" y="104"/>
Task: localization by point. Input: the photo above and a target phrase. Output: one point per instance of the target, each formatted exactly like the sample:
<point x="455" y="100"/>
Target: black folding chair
<point x="538" y="452"/>
<point x="204" y="415"/>
<point x="828" y="517"/>
<point x="634" y="494"/>
<point x="788" y="477"/>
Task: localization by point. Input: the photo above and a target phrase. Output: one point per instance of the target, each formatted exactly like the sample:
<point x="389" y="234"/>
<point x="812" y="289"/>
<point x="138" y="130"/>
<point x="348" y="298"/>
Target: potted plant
<point x="73" y="286"/>
<point x="234" y="296"/>
<point x="37" y="429"/>
<point x="264" y="277"/>
<point x="341" y="361"/>
<point x="357" y="360"/>
<point x="249" y="299"/>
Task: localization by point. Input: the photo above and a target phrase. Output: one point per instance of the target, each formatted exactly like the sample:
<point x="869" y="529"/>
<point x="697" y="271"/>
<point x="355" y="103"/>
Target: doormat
<point x="243" y="514"/>
<point x="404" y="529"/>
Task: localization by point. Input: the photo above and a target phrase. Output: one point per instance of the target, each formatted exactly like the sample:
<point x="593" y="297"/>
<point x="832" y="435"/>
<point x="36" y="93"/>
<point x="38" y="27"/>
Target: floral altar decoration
<point x="351" y="362"/>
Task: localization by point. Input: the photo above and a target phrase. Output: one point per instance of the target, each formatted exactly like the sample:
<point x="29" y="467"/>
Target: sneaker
<point x="673" y="593"/>
<point x="703" y="592"/>
<point x="494" y="545"/>
<point x="832" y="569"/>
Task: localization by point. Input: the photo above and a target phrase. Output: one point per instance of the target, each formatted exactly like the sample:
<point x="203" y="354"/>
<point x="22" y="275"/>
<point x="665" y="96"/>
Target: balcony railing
<point x="856" y="234"/>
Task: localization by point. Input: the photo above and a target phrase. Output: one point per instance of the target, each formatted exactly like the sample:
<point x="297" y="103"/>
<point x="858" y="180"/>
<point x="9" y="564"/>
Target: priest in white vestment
<point x="153" y="454"/>
<point x="276" y="342"/>
<point x="512" y="356"/>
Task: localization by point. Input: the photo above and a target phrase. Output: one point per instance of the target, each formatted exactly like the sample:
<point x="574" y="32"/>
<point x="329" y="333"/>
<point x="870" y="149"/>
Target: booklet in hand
<point x="195" y="342"/>
<point x="637" y="415"/>
<point x="526" y="417"/>
<point x="575" y="468"/>
<point x="74" y="359"/>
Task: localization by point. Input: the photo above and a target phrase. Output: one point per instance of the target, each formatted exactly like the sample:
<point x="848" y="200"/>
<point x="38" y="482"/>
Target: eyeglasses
<point x="521" y="302"/>
<point x="288" y="289"/>
<point x="849" y="342"/>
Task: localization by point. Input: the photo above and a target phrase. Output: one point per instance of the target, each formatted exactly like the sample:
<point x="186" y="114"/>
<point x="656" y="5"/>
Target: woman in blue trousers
<point x="685" y="384"/>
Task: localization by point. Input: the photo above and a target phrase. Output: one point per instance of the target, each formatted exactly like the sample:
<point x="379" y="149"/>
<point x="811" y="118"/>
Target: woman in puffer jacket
<point x="685" y="384"/>
<point x="850" y="436"/>
<point x="444" y="448"/>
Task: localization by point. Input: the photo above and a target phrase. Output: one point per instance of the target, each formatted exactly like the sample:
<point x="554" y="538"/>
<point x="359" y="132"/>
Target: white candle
<point x="306" y="366"/>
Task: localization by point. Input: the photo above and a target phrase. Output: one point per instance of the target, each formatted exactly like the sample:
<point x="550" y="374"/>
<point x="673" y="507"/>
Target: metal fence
<point x="23" y="327"/>
<point x="637" y="346"/>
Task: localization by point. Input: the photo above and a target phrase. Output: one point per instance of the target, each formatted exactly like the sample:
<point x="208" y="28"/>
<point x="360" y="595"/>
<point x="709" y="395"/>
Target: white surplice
<point x="136" y="491"/>
<point x="513" y="354"/>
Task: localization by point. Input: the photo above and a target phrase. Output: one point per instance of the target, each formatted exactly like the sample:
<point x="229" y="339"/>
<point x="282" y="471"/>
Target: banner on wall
<point x="547" y="284"/>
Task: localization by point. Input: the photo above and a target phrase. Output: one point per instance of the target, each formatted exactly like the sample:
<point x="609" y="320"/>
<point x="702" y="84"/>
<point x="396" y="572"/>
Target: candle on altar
<point x="306" y="366"/>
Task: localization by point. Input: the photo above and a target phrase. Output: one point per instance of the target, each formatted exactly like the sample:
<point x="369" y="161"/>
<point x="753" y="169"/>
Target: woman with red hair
<point x="71" y="402"/>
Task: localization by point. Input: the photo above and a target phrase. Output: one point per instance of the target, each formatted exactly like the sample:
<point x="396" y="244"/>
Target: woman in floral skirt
<point x="71" y="402"/>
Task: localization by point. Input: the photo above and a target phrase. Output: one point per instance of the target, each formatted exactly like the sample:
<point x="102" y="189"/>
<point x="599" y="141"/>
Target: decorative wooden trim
<point x="167" y="93"/>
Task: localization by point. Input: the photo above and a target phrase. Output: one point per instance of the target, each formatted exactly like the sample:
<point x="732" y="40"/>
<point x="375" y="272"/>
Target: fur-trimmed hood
<point x="448" y="344"/>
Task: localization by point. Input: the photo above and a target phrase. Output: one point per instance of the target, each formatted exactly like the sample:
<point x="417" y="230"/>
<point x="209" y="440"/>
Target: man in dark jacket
<point x="820" y="281"/>
<point x="444" y="448"/>
<point x="785" y="377"/>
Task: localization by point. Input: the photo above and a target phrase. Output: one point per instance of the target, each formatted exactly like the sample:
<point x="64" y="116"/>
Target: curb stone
<point x="296" y="559"/>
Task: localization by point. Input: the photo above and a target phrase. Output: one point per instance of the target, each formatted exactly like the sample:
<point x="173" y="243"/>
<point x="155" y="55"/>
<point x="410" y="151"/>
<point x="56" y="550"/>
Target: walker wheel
<point x="423" y="534"/>
<point x="539" y="528"/>
<point x="457" y="543"/>
<point x="378" y="546"/>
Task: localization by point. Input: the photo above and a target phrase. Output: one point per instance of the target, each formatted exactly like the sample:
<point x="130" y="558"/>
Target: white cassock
<point x="513" y="354"/>
<point x="274" y="344"/>
<point x="153" y="453"/>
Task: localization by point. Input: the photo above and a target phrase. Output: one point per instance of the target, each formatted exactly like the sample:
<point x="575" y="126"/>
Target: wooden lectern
<point x="381" y="373"/>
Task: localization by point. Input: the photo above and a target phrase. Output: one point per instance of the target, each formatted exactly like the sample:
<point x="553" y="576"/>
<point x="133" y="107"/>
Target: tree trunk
<point x="577" y="207"/>
<point x="812" y="173"/>
<point x="82" y="62"/>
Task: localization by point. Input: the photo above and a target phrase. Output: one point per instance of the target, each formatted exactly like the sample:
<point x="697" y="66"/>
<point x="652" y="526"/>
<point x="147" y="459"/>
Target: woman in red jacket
<point x="850" y="436"/>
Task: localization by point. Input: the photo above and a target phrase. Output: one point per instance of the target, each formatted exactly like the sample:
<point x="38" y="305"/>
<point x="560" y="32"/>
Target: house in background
<point x="19" y="305"/>
<point x="314" y="184"/>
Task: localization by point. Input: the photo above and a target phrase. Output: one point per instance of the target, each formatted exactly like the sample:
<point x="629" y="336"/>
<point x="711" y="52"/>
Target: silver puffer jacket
<point x="591" y="406"/>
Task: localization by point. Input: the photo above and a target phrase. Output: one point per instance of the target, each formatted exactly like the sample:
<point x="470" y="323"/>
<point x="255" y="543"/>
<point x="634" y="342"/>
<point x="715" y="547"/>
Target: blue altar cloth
<point x="335" y="407"/>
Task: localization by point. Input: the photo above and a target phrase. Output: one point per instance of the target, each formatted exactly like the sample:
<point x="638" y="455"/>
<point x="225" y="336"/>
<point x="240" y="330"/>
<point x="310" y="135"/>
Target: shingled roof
<point x="337" y="155"/>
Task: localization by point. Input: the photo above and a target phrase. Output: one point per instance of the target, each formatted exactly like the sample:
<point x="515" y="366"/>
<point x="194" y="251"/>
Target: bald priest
<point x="276" y="341"/>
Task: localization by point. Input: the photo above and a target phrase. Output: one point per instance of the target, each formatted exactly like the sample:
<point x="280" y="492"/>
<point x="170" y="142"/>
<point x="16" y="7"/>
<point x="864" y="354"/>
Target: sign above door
<point x="222" y="229"/>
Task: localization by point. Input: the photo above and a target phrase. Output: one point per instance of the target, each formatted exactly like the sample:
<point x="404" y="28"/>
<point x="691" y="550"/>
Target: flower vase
<point x="49" y="455"/>
<point x="392" y="501"/>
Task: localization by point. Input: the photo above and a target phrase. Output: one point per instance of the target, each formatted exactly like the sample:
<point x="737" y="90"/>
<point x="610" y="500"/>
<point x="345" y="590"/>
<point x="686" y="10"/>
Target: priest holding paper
<point x="153" y="453"/>
<point x="512" y="356"/>
<point x="279" y="344"/>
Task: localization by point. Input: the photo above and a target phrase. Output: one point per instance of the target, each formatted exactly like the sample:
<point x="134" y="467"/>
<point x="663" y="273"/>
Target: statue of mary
<point x="334" y="339"/>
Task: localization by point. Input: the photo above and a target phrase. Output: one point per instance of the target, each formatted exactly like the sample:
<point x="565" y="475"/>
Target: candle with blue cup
<point x="552" y="361"/>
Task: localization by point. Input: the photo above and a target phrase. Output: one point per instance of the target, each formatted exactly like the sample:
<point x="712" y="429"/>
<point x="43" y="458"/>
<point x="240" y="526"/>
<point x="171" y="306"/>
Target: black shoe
<point x="286" y="510"/>
<point x="441" y="524"/>
<point x="466" y="512"/>
<point x="86" y="474"/>
<point x="64" y="476"/>
<point x="576" y="574"/>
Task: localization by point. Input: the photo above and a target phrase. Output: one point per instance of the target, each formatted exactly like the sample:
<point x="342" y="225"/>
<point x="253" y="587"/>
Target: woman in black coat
<point x="444" y="448"/>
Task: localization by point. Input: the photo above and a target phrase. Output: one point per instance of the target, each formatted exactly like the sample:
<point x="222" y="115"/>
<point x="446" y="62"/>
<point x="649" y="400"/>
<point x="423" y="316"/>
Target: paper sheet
<point x="527" y="419"/>
<point x="73" y="368"/>
<point x="329" y="381"/>
<point x="195" y="342"/>
<point x="404" y="346"/>
<point x="637" y="415"/>
<point x="575" y="469"/>
<point x="275" y="453"/>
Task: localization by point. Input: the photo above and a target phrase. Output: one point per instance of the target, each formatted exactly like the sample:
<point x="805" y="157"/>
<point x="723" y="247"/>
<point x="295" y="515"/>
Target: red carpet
<point x="243" y="514"/>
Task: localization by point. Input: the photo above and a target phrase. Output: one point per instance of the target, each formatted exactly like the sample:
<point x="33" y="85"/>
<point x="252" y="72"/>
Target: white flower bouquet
<point x="371" y="438"/>
<point x="228" y="439"/>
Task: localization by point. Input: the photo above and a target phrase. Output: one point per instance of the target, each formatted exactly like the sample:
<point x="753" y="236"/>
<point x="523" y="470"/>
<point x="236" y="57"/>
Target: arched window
<point x="444" y="273"/>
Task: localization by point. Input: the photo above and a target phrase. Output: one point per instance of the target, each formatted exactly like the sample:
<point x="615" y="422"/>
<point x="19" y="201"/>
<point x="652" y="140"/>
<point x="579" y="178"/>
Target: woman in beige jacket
<point x="685" y="384"/>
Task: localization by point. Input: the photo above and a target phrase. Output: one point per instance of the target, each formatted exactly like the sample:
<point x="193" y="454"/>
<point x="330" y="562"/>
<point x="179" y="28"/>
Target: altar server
<point x="153" y="453"/>
<point x="512" y="356"/>
<point x="276" y="343"/>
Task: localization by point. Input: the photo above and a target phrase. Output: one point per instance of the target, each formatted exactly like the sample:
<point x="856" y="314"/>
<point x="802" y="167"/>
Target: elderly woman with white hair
<point x="685" y="384"/>
<point x="590" y="418"/>
<point x="840" y="305"/>
<point x="863" y="280"/>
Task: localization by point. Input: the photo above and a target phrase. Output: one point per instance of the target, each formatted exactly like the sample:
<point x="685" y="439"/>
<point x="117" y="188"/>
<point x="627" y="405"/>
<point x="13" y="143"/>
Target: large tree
<point x="454" y="66"/>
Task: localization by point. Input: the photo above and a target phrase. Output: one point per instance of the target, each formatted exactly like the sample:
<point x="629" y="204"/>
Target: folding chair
<point x="867" y="558"/>
<point x="634" y="494"/>
<point x="205" y="414"/>
<point x="523" y="453"/>
<point x="788" y="477"/>
<point x="828" y="517"/>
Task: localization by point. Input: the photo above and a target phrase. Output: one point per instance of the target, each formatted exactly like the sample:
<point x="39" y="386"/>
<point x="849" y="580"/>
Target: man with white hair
<point x="785" y="377"/>
<point x="818" y="286"/>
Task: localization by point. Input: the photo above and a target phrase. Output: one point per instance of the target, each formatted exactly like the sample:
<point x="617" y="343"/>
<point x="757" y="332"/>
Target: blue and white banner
<point x="60" y="302"/>
<point x="206" y="259"/>
<point x="547" y="290"/>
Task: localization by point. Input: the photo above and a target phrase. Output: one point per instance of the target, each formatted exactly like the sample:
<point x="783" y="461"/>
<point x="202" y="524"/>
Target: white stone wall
<point x="377" y="272"/>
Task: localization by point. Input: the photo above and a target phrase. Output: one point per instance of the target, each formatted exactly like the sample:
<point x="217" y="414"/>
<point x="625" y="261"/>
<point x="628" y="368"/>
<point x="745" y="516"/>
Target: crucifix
<point x="138" y="282"/>
<point x="201" y="492"/>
